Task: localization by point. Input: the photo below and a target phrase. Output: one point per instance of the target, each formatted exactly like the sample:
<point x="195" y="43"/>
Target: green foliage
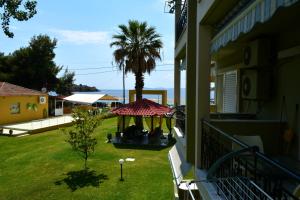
<point x="32" y="66"/>
<point x="106" y="115"/>
<point x="5" y="69"/>
<point x="138" y="47"/>
<point x="45" y="113"/>
<point x="81" y="137"/>
<point x="66" y="83"/>
<point x="84" y="88"/>
<point x="10" y="9"/>
<point x="45" y="159"/>
<point x="32" y="106"/>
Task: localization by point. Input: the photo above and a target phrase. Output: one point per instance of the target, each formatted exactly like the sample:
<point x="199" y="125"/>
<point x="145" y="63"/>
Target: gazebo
<point x="145" y="108"/>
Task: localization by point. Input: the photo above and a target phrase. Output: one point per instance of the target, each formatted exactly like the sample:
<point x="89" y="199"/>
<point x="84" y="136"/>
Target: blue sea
<point x="156" y="98"/>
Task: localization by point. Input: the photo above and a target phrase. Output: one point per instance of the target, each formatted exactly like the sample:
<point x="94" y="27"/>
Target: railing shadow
<point x="82" y="178"/>
<point x="269" y="179"/>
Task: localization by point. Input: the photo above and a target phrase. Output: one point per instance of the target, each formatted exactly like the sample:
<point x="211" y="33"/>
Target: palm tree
<point x="137" y="47"/>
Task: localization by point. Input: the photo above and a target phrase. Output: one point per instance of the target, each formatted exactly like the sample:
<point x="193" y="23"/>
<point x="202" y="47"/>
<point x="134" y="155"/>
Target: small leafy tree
<point x="65" y="83"/>
<point x="81" y="136"/>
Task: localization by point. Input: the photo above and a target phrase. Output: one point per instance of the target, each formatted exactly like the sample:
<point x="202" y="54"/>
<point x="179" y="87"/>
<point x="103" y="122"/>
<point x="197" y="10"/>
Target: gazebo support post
<point x="170" y="129"/>
<point x="151" y="123"/>
<point x="123" y="122"/>
<point x="118" y="128"/>
<point x="160" y="122"/>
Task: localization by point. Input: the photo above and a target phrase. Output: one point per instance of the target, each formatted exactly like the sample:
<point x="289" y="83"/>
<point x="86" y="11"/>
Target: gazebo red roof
<point x="142" y="108"/>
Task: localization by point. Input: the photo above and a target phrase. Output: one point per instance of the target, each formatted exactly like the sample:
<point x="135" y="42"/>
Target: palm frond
<point x="138" y="46"/>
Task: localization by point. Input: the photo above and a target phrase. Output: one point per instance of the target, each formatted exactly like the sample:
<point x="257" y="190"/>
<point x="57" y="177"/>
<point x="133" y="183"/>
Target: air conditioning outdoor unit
<point x="42" y="100"/>
<point x="255" y="84"/>
<point x="257" y="53"/>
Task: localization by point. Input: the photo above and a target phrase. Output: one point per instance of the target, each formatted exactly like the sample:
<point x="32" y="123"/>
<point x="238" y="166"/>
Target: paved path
<point x="27" y="127"/>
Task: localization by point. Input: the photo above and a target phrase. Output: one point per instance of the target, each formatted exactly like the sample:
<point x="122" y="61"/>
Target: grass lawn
<point x="43" y="166"/>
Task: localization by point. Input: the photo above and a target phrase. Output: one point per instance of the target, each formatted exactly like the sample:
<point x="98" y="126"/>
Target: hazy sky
<point x="84" y="29"/>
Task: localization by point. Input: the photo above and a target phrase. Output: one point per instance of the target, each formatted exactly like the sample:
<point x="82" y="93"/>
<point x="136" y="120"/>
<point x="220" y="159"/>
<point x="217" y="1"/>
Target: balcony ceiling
<point x="217" y="11"/>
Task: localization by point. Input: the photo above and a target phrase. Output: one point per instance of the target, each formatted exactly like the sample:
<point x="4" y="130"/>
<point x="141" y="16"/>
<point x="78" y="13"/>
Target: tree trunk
<point x="123" y="69"/>
<point x="139" y="85"/>
<point x="85" y="159"/>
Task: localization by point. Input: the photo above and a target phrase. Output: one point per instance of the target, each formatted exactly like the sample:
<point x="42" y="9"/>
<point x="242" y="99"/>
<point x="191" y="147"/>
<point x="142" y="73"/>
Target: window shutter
<point x="230" y="92"/>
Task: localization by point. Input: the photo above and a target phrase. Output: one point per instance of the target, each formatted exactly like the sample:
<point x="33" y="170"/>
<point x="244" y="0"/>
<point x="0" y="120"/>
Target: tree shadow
<point x="155" y="145"/>
<point x="82" y="178"/>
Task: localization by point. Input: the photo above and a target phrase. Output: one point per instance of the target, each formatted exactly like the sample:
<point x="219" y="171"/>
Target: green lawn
<point x="43" y="166"/>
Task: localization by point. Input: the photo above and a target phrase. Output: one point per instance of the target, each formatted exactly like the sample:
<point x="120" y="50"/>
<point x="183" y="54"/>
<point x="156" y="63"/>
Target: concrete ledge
<point x="206" y="189"/>
<point x="21" y="132"/>
<point x="180" y="141"/>
<point x="50" y="128"/>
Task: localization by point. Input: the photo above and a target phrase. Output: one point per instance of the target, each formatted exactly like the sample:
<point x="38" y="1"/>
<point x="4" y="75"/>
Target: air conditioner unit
<point x="258" y="53"/>
<point x="42" y="100"/>
<point x="255" y="84"/>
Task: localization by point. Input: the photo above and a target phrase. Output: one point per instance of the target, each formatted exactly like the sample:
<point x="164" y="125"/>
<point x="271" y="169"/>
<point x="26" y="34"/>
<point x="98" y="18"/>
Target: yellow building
<point x="19" y="104"/>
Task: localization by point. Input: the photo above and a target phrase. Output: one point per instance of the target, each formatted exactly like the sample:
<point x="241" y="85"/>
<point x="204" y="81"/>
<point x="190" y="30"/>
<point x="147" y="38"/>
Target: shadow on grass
<point x="82" y="178"/>
<point x="153" y="147"/>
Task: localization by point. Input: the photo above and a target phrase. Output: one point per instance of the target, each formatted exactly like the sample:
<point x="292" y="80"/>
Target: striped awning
<point x="259" y="11"/>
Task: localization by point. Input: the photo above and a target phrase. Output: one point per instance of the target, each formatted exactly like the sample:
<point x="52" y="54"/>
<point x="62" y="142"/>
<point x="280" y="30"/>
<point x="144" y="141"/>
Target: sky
<point x="84" y="30"/>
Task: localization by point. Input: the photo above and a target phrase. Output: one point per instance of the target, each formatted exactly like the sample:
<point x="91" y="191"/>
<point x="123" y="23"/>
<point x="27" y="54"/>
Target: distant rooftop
<point x="8" y="89"/>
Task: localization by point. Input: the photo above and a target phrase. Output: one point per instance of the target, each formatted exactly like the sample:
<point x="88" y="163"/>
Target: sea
<point x="157" y="98"/>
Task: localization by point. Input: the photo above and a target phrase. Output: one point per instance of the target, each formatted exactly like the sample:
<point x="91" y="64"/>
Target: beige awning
<point x="109" y="98"/>
<point x="84" y="98"/>
<point x="90" y="98"/>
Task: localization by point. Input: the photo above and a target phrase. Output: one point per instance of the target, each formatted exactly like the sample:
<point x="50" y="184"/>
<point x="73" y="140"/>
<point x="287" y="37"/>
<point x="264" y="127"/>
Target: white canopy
<point x="84" y="98"/>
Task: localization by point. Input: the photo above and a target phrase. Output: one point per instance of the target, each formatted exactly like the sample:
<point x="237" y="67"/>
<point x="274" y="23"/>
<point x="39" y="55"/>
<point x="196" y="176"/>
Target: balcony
<point x="242" y="171"/>
<point x="180" y="118"/>
<point x="182" y="20"/>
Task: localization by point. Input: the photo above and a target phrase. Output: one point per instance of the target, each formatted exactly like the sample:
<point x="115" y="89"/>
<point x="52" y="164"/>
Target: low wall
<point x="269" y="131"/>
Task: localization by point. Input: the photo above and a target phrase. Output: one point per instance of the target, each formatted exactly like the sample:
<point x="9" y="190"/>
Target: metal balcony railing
<point x="182" y="21"/>
<point x="178" y="113"/>
<point x="246" y="173"/>
<point x="180" y="118"/>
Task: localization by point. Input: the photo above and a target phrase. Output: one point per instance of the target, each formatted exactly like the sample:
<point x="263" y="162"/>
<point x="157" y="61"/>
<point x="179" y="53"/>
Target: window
<point x="15" y="108"/>
<point x="58" y="105"/>
<point x="212" y="93"/>
<point x="230" y="92"/>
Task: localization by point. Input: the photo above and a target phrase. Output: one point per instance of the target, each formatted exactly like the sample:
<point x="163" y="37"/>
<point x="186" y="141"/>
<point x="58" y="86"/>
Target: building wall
<point x="267" y="130"/>
<point x="25" y="114"/>
<point x="285" y="83"/>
